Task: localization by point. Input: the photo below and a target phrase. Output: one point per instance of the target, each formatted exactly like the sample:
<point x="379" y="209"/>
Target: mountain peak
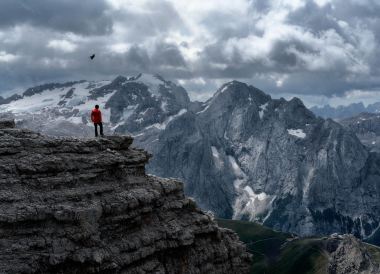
<point x="120" y="79"/>
<point x="235" y="91"/>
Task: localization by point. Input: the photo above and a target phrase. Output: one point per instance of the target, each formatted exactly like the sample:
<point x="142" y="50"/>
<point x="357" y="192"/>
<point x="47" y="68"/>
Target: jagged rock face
<point x="241" y="154"/>
<point x="86" y="206"/>
<point x="367" y="127"/>
<point x="247" y="156"/>
<point x="349" y="256"/>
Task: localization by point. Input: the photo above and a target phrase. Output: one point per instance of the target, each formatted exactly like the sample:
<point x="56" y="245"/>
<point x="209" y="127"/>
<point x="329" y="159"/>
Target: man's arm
<point x="92" y="116"/>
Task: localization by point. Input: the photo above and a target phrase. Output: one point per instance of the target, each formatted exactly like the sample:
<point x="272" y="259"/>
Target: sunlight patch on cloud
<point x="119" y="48"/>
<point x="62" y="45"/>
<point x="7" y="57"/>
<point x="322" y="3"/>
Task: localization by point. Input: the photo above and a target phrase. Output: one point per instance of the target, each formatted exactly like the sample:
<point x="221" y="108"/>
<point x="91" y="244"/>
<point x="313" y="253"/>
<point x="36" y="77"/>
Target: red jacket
<point x="96" y="116"/>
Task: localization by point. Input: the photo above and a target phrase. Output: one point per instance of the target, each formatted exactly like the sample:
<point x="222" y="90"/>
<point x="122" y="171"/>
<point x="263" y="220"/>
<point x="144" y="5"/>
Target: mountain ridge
<point x="241" y="154"/>
<point x="342" y="112"/>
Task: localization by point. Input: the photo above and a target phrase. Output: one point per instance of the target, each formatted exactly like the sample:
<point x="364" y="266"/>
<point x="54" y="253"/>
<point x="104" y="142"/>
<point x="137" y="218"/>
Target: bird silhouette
<point x="92" y="56"/>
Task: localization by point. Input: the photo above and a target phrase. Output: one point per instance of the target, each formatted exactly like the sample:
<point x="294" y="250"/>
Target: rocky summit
<point x="72" y="205"/>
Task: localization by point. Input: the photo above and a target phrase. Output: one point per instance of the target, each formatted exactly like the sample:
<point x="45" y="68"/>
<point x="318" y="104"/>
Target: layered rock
<point x="86" y="206"/>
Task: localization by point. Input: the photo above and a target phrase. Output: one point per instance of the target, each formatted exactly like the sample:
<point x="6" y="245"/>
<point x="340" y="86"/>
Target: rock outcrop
<point x="86" y="206"/>
<point x="350" y="256"/>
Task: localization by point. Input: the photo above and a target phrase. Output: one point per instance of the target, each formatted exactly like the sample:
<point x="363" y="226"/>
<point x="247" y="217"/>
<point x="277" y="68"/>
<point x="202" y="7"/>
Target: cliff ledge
<point x="86" y="206"/>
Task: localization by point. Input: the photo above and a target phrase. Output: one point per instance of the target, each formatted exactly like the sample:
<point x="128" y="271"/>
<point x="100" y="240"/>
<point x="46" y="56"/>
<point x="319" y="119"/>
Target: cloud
<point x="6" y="57"/>
<point x="307" y="48"/>
<point x="63" y="45"/>
<point x="87" y="17"/>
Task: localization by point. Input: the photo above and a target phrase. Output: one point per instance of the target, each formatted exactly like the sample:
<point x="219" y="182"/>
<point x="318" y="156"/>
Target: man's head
<point x="97" y="106"/>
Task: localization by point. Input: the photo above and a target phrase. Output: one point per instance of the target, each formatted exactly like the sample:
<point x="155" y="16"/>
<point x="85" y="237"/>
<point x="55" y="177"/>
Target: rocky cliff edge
<point x="86" y="206"/>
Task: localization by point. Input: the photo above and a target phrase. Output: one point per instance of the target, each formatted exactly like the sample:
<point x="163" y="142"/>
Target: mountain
<point x="241" y="154"/>
<point x="247" y="156"/>
<point x="341" y="112"/>
<point x="280" y="253"/>
<point x="129" y="104"/>
<point x="87" y="206"/>
<point x="367" y="127"/>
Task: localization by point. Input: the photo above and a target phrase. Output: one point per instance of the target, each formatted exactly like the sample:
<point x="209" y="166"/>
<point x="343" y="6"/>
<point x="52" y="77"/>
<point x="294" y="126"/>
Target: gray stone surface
<point x="86" y="206"/>
<point x="248" y="156"/>
<point x="367" y="127"/>
<point x="350" y="256"/>
<point x="7" y="123"/>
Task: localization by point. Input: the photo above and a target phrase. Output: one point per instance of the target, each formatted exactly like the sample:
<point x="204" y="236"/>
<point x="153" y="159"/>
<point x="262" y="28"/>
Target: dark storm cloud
<point x="86" y="17"/>
<point x="314" y="18"/>
<point x="168" y="55"/>
<point x="37" y="62"/>
<point x="326" y="50"/>
<point x="279" y="46"/>
<point x="155" y="19"/>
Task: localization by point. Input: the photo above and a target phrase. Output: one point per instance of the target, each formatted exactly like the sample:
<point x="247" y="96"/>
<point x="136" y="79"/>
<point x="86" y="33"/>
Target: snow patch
<point x="235" y="167"/>
<point x="256" y="206"/>
<point x="85" y="107"/>
<point x="35" y="103"/>
<point x="217" y="157"/>
<point x="262" y="109"/>
<point x="138" y="135"/>
<point x="152" y="81"/>
<point x="139" y="120"/>
<point x="224" y="89"/>
<point x="253" y="196"/>
<point x="75" y="120"/>
<point x="206" y="108"/>
<point x="163" y="125"/>
<point x="225" y="136"/>
<point x="128" y="111"/>
<point x="164" y="105"/>
<point x="297" y="132"/>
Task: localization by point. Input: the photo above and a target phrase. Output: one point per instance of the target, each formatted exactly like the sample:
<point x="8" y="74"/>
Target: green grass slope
<point x="277" y="252"/>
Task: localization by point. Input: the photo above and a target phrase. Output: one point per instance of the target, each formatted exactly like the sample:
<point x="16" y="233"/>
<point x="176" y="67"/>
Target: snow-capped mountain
<point x="127" y="104"/>
<point x="241" y="154"/>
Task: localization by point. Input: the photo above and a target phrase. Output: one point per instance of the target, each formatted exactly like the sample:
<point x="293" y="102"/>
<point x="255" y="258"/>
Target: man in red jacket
<point x="96" y="118"/>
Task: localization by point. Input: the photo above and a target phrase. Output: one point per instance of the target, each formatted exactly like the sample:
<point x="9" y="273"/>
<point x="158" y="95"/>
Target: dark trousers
<point x="96" y="129"/>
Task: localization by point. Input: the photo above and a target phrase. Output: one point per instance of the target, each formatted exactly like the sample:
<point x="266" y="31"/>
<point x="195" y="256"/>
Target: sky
<point x="323" y="51"/>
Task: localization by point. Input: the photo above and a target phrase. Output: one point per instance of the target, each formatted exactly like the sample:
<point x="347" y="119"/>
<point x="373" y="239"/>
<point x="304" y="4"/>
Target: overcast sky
<point x="323" y="51"/>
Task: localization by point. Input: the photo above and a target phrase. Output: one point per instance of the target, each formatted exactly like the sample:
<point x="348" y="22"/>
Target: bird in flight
<point x="92" y="56"/>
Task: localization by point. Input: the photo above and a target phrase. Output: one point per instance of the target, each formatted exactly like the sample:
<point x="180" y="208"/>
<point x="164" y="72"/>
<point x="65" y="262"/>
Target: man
<point x="96" y="118"/>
